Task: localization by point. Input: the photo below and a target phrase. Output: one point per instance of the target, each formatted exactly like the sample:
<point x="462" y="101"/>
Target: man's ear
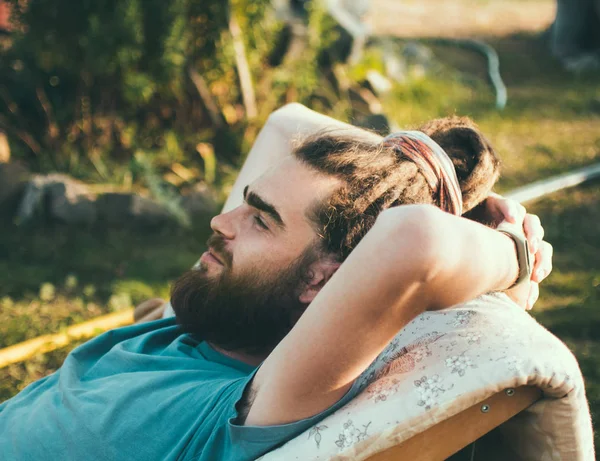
<point x="319" y="274"/>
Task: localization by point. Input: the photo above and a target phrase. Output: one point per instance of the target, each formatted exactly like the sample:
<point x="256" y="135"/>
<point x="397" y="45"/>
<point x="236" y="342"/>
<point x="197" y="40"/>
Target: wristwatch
<point x="523" y="255"/>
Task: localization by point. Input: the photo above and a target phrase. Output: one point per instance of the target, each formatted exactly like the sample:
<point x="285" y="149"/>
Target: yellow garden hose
<point x="42" y="344"/>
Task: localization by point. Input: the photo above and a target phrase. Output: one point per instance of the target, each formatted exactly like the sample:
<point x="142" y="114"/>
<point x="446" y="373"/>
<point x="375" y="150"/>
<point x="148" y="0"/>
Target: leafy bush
<point x="85" y="85"/>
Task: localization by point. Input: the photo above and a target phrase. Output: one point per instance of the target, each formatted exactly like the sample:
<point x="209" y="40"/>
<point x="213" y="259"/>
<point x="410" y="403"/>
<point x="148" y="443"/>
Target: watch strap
<point x="523" y="254"/>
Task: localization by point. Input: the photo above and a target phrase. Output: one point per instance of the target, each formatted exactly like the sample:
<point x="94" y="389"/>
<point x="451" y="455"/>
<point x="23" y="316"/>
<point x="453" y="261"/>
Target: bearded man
<point x="312" y="268"/>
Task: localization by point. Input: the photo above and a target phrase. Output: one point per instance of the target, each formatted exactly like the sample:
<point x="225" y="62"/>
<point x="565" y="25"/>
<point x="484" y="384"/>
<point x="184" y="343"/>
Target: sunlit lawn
<point x="551" y="125"/>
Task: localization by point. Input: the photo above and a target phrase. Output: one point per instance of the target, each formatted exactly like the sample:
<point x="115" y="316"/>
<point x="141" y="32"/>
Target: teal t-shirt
<point x="143" y="392"/>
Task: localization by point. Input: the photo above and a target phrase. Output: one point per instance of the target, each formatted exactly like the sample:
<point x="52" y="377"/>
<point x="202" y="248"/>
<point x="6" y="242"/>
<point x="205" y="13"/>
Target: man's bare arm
<point x="275" y="140"/>
<point x="414" y="258"/>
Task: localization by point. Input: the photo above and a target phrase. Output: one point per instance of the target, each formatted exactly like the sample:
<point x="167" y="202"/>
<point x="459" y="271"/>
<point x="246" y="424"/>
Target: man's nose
<point x="223" y="224"/>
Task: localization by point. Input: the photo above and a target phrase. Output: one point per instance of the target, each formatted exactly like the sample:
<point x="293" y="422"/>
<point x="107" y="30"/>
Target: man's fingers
<point x="534" y="293"/>
<point x="521" y="212"/>
<point x="147" y="307"/>
<point x="504" y="208"/>
<point x="534" y="232"/>
<point x="543" y="262"/>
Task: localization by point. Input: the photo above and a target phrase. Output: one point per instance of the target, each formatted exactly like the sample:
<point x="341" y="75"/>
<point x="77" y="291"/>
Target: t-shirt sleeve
<point x="250" y="442"/>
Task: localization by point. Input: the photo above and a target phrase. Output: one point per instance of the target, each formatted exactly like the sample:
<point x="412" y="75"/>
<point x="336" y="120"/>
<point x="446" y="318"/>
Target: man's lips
<point x="211" y="256"/>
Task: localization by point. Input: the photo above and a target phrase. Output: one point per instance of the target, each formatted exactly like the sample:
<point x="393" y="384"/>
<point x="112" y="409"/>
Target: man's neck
<point x="249" y="359"/>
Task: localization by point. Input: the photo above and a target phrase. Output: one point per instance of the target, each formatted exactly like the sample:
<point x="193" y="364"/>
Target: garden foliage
<point x="88" y="87"/>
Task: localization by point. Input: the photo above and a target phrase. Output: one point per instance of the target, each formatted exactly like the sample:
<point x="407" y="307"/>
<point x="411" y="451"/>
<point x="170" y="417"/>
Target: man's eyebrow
<point x="255" y="201"/>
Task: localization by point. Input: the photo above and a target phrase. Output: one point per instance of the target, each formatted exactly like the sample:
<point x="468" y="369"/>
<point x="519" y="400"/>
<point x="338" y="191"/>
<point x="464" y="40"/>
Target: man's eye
<point x="260" y="222"/>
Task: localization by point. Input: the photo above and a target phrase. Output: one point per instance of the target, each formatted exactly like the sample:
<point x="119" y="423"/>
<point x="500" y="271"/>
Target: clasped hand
<point x="497" y="209"/>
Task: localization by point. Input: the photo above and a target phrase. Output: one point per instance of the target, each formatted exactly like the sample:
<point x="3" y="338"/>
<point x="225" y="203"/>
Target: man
<point x="302" y="263"/>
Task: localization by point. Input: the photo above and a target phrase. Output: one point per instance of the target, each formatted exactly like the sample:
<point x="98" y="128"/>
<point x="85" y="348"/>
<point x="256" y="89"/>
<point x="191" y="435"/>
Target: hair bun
<point x="477" y="165"/>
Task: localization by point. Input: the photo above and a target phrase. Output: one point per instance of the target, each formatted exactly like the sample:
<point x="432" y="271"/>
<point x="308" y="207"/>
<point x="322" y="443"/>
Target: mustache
<point x="217" y="245"/>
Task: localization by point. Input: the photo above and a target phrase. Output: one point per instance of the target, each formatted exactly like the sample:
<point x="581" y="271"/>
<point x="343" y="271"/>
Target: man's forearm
<point x="295" y="119"/>
<point x="473" y="259"/>
<point x="271" y="146"/>
<point x="274" y="143"/>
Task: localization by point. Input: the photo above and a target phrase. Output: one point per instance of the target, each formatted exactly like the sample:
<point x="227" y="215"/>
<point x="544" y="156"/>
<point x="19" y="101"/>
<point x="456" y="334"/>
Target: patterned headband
<point x="434" y="164"/>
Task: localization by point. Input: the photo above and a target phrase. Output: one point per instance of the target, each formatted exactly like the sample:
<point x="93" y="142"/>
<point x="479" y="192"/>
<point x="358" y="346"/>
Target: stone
<point x="72" y="203"/>
<point x="147" y="212"/>
<point x="61" y="198"/>
<point x="113" y="208"/>
<point x="119" y="208"/>
<point x="32" y="201"/>
<point x="13" y="180"/>
<point x="58" y="197"/>
<point x="416" y="53"/>
<point x="418" y="58"/>
<point x="199" y="202"/>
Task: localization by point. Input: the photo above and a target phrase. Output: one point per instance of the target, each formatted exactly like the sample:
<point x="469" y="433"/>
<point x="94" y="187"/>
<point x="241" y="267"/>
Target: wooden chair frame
<point x="450" y="436"/>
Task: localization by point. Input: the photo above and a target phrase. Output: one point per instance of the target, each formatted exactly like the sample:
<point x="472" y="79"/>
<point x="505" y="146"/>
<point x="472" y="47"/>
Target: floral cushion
<point x="446" y="361"/>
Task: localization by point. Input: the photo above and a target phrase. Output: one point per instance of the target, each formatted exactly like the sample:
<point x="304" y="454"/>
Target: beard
<point x="250" y="312"/>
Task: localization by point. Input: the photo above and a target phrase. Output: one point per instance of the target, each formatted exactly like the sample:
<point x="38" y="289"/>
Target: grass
<point x="550" y="125"/>
<point x="57" y="276"/>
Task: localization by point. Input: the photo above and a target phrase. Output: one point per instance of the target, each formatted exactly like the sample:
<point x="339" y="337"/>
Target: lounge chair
<point x="452" y="376"/>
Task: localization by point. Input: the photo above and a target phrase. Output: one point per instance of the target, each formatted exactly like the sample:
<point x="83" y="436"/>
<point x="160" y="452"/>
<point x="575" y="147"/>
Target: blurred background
<point x="123" y="125"/>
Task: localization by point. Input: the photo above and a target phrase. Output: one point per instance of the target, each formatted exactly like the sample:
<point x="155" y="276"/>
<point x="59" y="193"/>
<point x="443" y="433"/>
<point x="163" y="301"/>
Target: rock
<point x="148" y="212"/>
<point x="118" y="208"/>
<point x="61" y="198"/>
<point x="199" y="201"/>
<point x="418" y="58"/>
<point x="58" y="197"/>
<point x="71" y="202"/>
<point x="32" y="200"/>
<point x="13" y="179"/>
<point x="113" y="208"/>
<point x="416" y="53"/>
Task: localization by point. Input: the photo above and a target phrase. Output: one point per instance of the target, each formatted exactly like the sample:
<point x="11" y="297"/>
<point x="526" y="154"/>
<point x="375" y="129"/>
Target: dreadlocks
<point x="377" y="176"/>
